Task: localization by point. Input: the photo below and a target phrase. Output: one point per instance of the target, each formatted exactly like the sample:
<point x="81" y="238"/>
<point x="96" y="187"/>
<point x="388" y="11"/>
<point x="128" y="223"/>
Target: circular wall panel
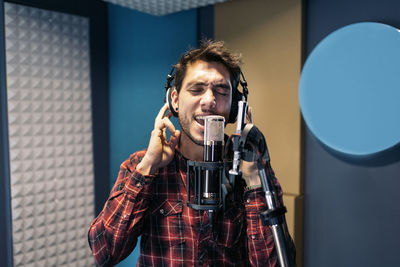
<point x="350" y="89"/>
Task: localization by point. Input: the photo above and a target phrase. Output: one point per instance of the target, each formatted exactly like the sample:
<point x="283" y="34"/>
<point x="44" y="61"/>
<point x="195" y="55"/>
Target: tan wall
<point x="268" y="35"/>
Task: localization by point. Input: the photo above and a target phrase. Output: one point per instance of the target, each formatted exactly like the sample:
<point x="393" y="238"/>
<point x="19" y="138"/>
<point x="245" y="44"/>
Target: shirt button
<point x="138" y="184"/>
<point x="125" y="216"/>
<point x="162" y="211"/>
<point x="248" y="200"/>
<point x="253" y="237"/>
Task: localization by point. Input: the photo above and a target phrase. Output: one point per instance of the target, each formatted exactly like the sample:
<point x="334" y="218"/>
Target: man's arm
<point x="260" y="242"/>
<point x="113" y="234"/>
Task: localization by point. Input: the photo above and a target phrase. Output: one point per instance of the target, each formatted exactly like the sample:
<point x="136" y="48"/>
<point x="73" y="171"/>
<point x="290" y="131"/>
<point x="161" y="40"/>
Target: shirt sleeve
<point x="113" y="234"/>
<point x="260" y="241"/>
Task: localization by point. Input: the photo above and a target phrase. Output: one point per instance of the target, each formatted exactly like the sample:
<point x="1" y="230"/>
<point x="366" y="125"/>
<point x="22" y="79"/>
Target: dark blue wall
<point x="142" y="49"/>
<point x="352" y="211"/>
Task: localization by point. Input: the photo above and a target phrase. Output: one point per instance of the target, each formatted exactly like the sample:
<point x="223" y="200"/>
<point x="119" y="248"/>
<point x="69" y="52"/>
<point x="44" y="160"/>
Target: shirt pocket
<point x="168" y="223"/>
<point x="230" y="228"/>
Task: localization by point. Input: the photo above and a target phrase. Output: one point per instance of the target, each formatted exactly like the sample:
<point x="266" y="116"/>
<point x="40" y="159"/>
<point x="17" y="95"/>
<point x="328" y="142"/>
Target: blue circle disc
<point x="350" y="89"/>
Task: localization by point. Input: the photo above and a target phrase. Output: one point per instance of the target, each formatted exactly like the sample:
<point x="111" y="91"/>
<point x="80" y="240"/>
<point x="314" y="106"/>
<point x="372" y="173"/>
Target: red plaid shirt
<point x="172" y="234"/>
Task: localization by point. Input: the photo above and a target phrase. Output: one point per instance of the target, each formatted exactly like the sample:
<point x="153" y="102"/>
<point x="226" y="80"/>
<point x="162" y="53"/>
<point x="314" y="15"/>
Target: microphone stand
<point x="274" y="216"/>
<point x="237" y="141"/>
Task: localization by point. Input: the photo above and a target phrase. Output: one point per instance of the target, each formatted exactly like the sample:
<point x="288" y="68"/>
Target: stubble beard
<point x="185" y="125"/>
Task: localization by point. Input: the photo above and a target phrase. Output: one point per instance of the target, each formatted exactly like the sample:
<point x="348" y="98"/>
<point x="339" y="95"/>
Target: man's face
<point x="206" y="90"/>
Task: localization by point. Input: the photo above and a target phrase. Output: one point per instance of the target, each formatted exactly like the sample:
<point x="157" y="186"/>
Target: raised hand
<point x="249" y="169"/>
<point x="160" y="151"/>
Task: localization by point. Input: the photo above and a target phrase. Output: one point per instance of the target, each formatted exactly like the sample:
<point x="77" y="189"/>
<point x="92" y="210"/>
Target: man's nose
<point x="208" y="100"/>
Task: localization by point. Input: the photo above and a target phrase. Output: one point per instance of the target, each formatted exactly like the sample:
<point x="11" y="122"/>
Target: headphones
<point x="236" y="95"/>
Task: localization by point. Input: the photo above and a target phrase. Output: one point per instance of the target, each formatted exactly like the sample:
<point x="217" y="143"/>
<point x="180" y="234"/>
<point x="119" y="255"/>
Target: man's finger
<point x="249" y="115"/>
<point x="162" y="111"/>
<point x="174" y="139"/>
<point x="169" y="115"/>
<point x="166" y="123"/>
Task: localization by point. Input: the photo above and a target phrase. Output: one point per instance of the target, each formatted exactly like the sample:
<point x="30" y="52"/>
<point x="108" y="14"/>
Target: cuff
<point x="254" y="200"/>
<point x="138" y="182"/>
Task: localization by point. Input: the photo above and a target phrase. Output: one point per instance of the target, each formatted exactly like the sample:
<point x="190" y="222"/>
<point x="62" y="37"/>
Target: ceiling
<point x="163" y="7"/>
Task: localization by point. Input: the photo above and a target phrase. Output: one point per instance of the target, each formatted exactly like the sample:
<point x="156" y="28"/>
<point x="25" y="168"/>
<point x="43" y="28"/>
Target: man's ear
<point x="174" y="99"/>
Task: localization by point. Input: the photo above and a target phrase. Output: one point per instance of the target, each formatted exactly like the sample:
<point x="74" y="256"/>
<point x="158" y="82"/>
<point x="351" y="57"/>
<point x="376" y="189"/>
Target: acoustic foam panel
<point x="50" y="136"/>
<point x="163" y="7"/>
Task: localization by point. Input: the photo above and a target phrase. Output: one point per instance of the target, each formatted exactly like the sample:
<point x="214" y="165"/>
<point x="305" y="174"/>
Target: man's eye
<point x="196" y="90"/>
<point x="222" y="92"/>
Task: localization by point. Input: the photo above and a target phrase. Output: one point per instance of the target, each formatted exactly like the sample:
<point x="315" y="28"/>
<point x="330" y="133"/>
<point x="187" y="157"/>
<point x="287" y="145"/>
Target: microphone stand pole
<point x="274" y="216"/>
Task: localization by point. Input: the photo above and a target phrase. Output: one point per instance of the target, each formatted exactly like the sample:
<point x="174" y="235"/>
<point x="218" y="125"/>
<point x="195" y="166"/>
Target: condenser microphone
<point x="204" y="178"/>
<point x="213" y="152"/>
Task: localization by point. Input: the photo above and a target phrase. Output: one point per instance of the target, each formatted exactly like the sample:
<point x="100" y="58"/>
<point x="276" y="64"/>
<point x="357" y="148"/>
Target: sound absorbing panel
<point x="349" y="89"/>
<point x="163" y="7"/>
<point x="50" y="136"/>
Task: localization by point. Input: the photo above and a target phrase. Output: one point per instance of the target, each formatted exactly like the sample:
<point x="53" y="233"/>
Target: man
<point x="149" y="196"/>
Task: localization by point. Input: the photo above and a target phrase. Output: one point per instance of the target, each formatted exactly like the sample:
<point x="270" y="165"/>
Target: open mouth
<point x="199" y="120"/>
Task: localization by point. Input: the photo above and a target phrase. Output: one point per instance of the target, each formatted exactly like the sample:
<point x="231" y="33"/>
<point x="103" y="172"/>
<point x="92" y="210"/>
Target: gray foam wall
<point x="50" y="136"/>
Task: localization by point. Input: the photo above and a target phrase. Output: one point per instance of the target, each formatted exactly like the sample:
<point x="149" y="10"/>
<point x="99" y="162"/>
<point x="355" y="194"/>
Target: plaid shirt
<point x="173" y="234"/>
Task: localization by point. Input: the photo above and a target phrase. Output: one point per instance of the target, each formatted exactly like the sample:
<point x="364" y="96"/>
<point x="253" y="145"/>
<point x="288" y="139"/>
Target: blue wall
<point x="142" y="49"/>
<point x="352" y="215"/>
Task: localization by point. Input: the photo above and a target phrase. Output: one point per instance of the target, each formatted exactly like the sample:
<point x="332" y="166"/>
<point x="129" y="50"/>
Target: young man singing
<point x="149" y="196"/>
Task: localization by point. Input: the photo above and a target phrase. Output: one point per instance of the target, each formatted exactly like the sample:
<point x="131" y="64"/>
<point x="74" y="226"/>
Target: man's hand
<point x="160" y="150"/>
<point x="250" y="173"/>
<point x="249" y="169"/>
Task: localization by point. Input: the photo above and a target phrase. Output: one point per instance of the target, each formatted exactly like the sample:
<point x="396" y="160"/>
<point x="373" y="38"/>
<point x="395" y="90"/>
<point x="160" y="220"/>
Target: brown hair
<point x="210" y="51"/>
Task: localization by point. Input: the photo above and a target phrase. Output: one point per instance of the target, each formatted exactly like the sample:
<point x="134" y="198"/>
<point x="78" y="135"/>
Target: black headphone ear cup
<point x="169" y="102"/>
<point x="236" y="97"/>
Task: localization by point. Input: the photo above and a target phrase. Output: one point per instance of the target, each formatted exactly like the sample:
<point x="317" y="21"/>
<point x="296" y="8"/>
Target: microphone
<point x="213" y="152"/>
<point x="204" y="178"/>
